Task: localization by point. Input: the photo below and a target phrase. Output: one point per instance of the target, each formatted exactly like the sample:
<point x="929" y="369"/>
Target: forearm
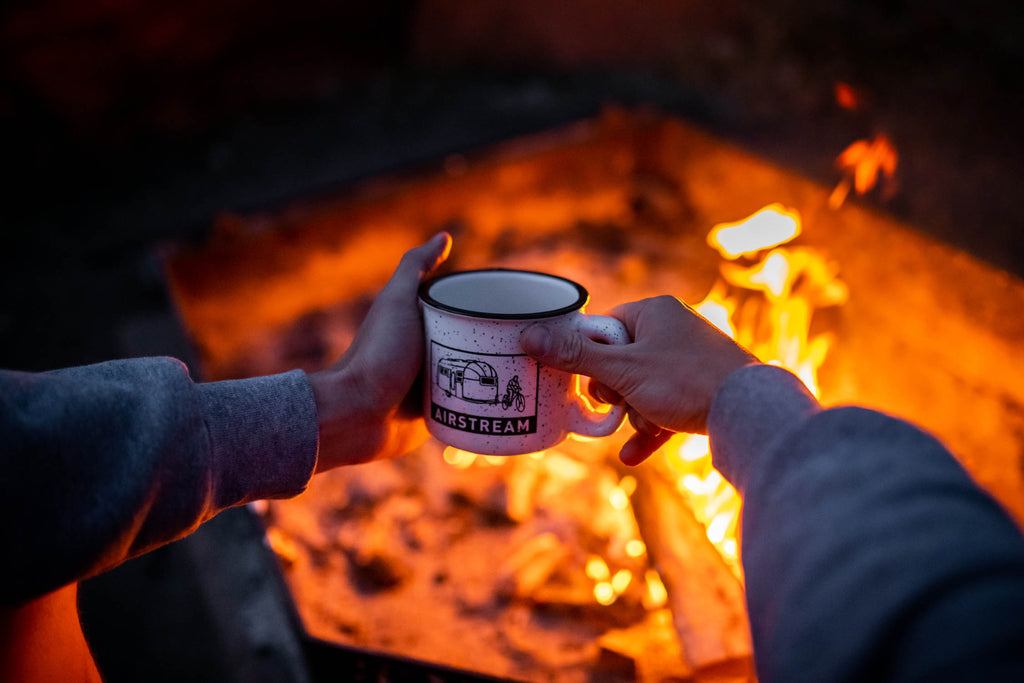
<point x="866" y="547"/>
<point x="103" y="462"/>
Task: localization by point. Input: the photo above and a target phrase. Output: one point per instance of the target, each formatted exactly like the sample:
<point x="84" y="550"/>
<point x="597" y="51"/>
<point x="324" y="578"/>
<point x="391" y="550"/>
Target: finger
<point x="571" y="351"/>
<point x="628" y="314"/>
<point x="640" y="446"/>
<point x="394" y="307"/>
<point x="658" y="307"/>
<point x="418" y="263"/>
<point x="603" y="393"/>
<point x="642" y="424"/>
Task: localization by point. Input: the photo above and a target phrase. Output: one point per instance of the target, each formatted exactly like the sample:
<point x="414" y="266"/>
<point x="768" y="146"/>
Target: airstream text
<point x="483" y="425"/>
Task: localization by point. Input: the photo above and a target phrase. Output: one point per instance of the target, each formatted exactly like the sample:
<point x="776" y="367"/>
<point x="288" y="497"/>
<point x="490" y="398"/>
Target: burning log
<point x="531" y="565"/>
<point x="653" y="648"/>
<point x="704" y="596"/>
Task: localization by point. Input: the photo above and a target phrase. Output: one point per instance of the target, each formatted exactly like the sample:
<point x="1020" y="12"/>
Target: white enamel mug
<point x="482" y="393"/>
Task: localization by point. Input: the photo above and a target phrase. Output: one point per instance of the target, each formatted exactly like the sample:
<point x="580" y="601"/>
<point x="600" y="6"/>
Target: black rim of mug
<point x="424" y="295"/>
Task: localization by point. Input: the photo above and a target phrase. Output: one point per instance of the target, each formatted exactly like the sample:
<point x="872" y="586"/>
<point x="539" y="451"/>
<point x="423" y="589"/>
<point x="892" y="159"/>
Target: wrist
<point x="753" y="408"/>
<point x="351" y="431"/>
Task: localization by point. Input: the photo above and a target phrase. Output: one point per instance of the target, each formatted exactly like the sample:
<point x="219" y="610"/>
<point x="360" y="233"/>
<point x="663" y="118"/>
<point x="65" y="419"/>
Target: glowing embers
<point x="580" y="483"/>
<point x="607" y="586"/>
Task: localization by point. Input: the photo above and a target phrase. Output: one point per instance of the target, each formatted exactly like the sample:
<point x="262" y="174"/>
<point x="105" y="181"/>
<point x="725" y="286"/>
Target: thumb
<point x="417" y="263"/>
<point x="571" y="351"/>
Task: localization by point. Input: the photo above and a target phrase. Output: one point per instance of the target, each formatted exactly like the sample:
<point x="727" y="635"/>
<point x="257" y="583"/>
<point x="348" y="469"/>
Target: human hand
<point x="667" y="376"/>
<point x="366" y="405"/>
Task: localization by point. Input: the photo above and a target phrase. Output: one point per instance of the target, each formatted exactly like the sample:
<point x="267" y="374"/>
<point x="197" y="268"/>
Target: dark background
<point x="128" y="126"/>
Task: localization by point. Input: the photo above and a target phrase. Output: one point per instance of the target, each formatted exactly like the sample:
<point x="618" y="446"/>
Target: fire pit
<point x="565" y="566"/>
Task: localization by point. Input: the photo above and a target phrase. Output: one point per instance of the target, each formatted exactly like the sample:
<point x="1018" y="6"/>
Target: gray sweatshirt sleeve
<point x="869" y="553"/>
<point x="103" y="462"/>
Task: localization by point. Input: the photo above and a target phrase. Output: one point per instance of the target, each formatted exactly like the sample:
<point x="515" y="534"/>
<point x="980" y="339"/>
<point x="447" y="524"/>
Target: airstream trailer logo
<point x="484" y="393"/>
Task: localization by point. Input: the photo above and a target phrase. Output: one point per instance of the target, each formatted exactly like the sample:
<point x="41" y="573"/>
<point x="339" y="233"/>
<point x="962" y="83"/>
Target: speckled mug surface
<point x="482" y="393"/>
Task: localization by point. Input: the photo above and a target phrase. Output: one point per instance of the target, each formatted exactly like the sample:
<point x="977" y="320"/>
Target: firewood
<point x="705" y="598"/>
<point x="652" y="646"/>
<point x="530" y="566"/>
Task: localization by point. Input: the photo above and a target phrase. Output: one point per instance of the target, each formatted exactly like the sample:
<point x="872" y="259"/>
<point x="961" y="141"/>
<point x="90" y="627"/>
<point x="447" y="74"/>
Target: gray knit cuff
<point x="263" y="436"/>
<point x="754" y="408"/>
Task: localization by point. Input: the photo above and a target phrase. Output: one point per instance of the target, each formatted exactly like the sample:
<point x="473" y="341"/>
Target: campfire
<point x="565" y="565"/>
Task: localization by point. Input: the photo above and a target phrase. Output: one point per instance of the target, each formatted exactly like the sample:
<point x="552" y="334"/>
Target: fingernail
<point x="630" y="455"/>
<point x="440" y="246"/>
<point x="536" y="340"/>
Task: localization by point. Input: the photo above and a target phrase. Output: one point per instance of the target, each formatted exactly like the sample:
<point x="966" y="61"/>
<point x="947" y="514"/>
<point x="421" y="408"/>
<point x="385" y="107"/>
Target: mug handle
<point x="583" y="420"/>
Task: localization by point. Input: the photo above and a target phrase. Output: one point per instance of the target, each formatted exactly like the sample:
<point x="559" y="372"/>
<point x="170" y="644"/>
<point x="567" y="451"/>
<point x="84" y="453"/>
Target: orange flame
<point x="863" y="162"/>
<point x="767" y="306"/>
<point x="775" y="326"/>
<point x="769" y="227"/>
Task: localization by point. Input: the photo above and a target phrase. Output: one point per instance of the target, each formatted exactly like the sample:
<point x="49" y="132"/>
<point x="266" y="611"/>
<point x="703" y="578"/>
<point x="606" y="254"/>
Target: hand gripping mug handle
<point x="583" y="420"/>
